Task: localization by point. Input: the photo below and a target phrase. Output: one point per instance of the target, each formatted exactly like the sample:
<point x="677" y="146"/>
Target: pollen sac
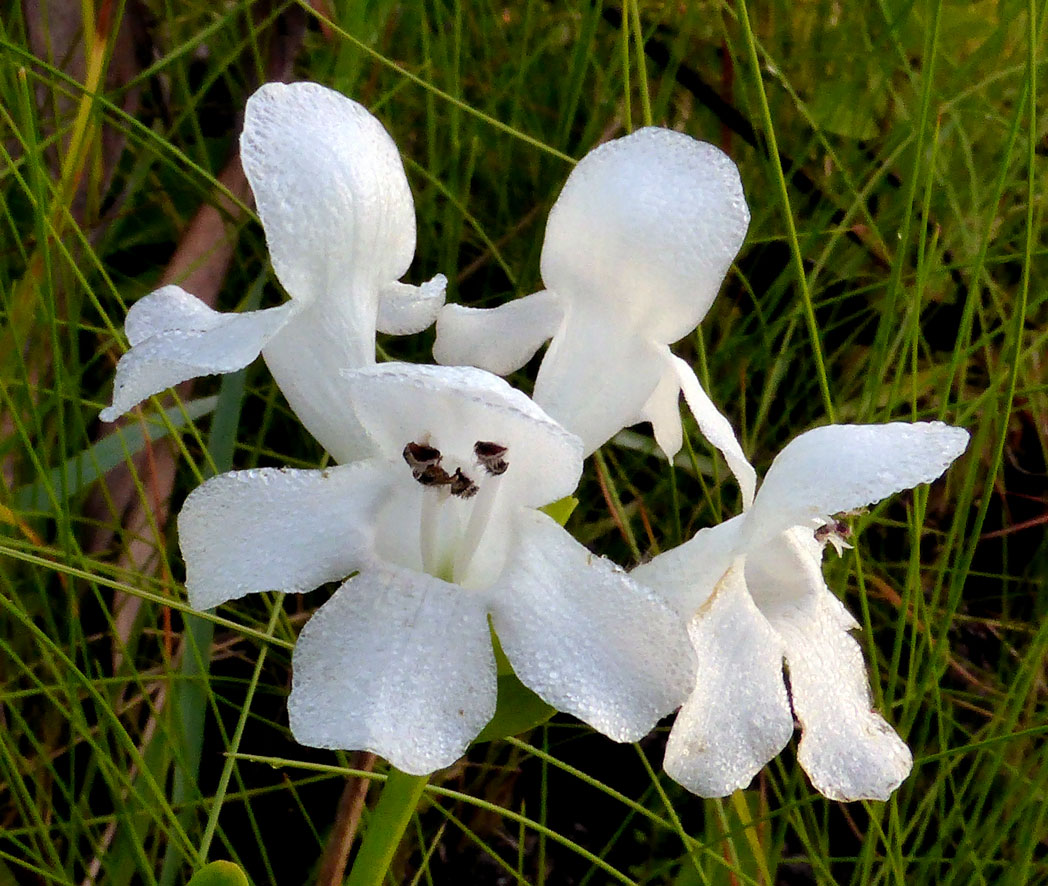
<point x="424" y="461"/>
<point x="421" y="458"/>
<point x="432" y="475"/>
<point x="461" y="485"/>
<point x="491" y="456"/>
<point x="836" y="533"/>
<point x="834" y="529"/>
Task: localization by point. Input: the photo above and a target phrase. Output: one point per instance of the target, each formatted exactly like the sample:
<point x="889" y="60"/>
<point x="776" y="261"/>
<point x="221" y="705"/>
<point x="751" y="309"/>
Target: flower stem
<point x="475" y="528"/>
<point x="386" y="826"/>
<point x="429" y="529"/>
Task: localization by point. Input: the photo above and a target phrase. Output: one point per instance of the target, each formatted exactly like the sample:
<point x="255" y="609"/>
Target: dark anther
<point x="462" y="486"/>
<point x="836" y="527"/>
<point x="432" y="475"/>
<point x="421" y="458"/>
<point x="491" y="456"/>
<point x="424" y="462"/>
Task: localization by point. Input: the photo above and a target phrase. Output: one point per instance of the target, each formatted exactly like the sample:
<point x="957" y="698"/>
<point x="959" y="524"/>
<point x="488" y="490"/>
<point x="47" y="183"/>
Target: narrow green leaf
<point x="7" y="877"/>
<point x="190" y="695"/>
<point x="112" y="450"/>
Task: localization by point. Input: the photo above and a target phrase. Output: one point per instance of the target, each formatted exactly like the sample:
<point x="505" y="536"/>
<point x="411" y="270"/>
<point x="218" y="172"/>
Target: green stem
<point x="238" y="734"/>
<point x="784" y="197"/>
<point x="642" y="70"/>
<point x="386" y="826"/>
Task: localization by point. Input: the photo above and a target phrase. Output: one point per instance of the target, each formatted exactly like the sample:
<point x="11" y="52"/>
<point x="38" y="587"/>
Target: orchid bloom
<point x="443" y="528"/>
<point x="340" y="225"/>
<point x="753" y="593"/>
<point x="636" y="247"/>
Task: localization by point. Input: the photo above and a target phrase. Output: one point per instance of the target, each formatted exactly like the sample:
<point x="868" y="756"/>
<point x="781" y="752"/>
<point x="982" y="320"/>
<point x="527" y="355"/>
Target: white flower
<point x="443" y="528"/>
<point x="636" y="247"/>
<point x="753" y="590"/>
<point x="340" y="225"/>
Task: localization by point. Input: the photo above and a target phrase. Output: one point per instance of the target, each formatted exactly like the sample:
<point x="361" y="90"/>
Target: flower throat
<point x="425" y="463"/>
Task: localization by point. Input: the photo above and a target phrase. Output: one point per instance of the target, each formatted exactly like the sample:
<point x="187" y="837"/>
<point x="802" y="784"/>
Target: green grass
<point x="894" y="156"/>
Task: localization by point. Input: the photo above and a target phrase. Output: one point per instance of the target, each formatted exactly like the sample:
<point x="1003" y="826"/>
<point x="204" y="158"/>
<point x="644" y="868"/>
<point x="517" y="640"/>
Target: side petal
<point x="848" y="750"/>
<point x="840" y="467"/>
<point x="398" y="663"/>
<point x="663" y="411"/>
<point x="331" y="192"/>
<point x="686" y="575"/>
<point x="738" y="716"/>
<point x="272" y="529"/>
<point x="404" y="309"/>
<point x="596" y="377"/>
<point x="717" y="429"/>
<point x="500" y="340"/>
<point x="175" y="337"/>
<point x="168" y="309"/>
<point x="586" y="638"/>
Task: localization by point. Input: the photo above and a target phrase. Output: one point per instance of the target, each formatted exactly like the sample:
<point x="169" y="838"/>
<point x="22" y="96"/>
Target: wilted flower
<point x="441" y="524"/>
<point x="636" y="247"/>
<point x="340" y="225"/>
<point x="753" y="591"/>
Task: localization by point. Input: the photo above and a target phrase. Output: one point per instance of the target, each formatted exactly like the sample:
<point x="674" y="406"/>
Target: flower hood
<point x="636" y="247"/>
<point x="340" y="225"/>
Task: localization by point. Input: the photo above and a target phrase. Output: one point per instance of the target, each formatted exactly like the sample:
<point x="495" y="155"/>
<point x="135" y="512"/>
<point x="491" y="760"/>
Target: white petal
<point x="340" y="224"/>
<point x="663" y="411"/>
<point x="454" y="407"/>
<point x="786" y="570"/>
<point x="168" y="309"/>
<point x="398" y="663"/>
<point x="840" y="467"/>
<point x="307" y="360"/>
<point x="398" y="523"/>
<point x="596" y="378"/>
<point x="586" y="638"/>
<point x="848" y="750"/>
<point x="271" y="529"/>
<point x="717" y="429"/>
<point x="646" y="228"/>
<point x="404" y="309"/>
<point x="738" y="717"/>
<point x="332" y="195"/>
<point x="500" y="340"/>
<point x="176" y="337"/>
<point x="686" y="575"/>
